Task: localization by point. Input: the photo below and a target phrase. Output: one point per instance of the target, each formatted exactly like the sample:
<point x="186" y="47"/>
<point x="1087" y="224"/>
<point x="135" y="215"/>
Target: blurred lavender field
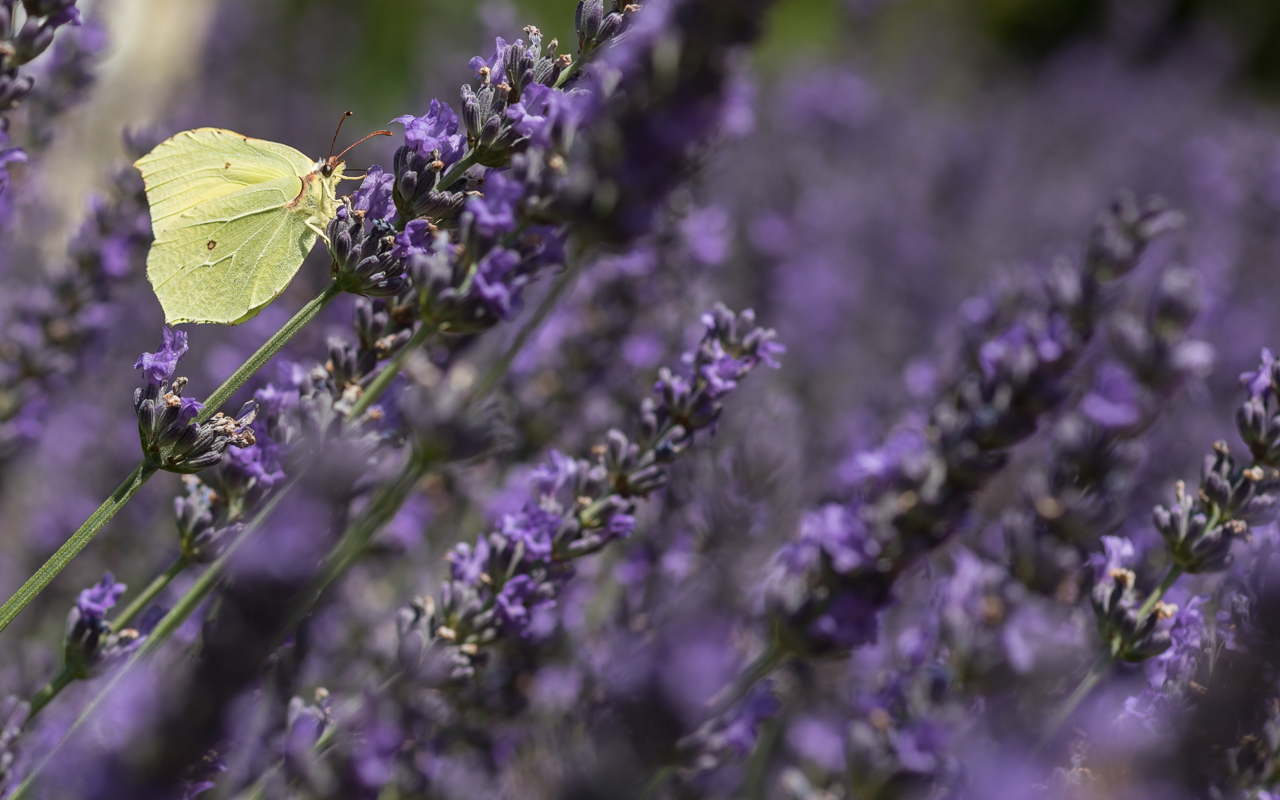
<point x="888" y="535"/>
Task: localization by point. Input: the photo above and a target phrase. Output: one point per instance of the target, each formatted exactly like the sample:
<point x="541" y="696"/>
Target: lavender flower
<point x="579" y="508"/>
<point x="1014" y="366"/>
<point x="90" y="643"/>
<point x="167" y="424"/>
<point x="363" y="259"/>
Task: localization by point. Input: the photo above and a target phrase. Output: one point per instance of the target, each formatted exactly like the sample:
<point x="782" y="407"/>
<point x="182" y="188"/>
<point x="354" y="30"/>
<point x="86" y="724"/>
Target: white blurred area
<point x="154" y="47"/>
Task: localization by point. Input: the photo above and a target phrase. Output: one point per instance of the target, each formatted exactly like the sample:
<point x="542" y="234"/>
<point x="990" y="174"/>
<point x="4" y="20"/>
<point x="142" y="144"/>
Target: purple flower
<point x="1258" y="382"/>
<point x="498" y="294"/>
<point x="188" y="409"/>
<point x="556" y="473"/>
<point x="417" y="237"/>
<point x="466" y="563"/>
<point x="620" y="526"/>
<point x="740" y="727"/>
<point x="519" y="599"/>
<point x="160" y="365"/>
<point x="409" y="525"/>
<point x="436" y="130"/>
<point x="850" y="620"/>
<point x="1118" y="553"/>
<point x="1172" y="670"/>
<point x="491" y="71"/>
<point x="902" y="452"/>
<point x="542" y="110"/>
<point x="837" y="531"/>
<point x="534" y="527"/>
<point x="97" y="599"/>
<point x="495" y="212"/>
<point x="377" y="748"/>
<point x="259" y="462"/>
<point x="374" y="197"/>
<point x="708" y="234"/>
<point x="921" y="746"/>
<point x="1115" y="400"/>
<point x="819" y="740"/>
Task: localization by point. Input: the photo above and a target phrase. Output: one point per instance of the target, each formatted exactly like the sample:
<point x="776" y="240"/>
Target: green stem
<point x="1105" y="660"/>
<point x="269" y="348"/>
<point x="383" y="379"/>
<point x="50" y="691"/>
<point x="455" y="172"/>
<point x="64" y="678"/>
<point x="758" y="762"/>
<point x="568" y="72"/>
<point x="762" y="667"/>
<point x="182" y="610"/>
<point x="500" y="367"/>
<point x="59" y="560"/>
<point x="143" y="472"/>
<point x="156" y="586"/>
<point x="384" y="505"/>
<point x="1170" y="578"/>
<point x="655" y="783"/>
<point x="1100" y="668"/>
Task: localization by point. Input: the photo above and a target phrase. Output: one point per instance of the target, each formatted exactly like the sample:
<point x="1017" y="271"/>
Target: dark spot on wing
<point x="227" y="165"/>
<point x="212" y="244"/>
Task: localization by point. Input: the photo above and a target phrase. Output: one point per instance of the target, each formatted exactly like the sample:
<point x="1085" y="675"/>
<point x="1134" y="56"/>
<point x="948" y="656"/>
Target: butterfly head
<point x="331" y="166"/>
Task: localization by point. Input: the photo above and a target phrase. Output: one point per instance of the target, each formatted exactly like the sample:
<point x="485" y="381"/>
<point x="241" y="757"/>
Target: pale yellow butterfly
<point x="233" y="219"/>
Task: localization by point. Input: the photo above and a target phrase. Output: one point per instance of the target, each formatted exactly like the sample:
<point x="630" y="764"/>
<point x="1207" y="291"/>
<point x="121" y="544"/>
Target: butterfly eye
<point x="326" y="170"/>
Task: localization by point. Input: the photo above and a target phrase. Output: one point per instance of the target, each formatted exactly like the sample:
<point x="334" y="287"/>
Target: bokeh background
<point x="892" y="159"/>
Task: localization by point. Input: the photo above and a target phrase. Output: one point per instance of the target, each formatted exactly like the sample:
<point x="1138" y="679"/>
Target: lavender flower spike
<point x="160" y="365"/>
<point x="167" y="426"/>
<point x="579" y="507"/>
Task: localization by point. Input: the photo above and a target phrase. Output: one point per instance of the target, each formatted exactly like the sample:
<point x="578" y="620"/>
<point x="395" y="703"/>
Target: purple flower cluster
<point x="51" y="324"/>
<point x="498" y="587"/>
<point x="832" y="584"/>
<point x="953" y="584"/>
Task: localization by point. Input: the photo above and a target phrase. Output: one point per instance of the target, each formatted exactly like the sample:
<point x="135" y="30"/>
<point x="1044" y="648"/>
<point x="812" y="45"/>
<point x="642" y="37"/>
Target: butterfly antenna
<point x="365" y="139"/>
<point x="335" y="133"/>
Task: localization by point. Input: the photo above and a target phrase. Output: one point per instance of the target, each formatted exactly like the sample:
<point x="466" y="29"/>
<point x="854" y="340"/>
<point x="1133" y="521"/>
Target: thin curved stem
<point x="70" y="548"/>
<point x="143" y="472"/>
<point x="568" y="72"/>
<point x="381" y="510"/>
<point x="1100" y="668"/>
<point x="50" y="691"/>
<point x="455" y="172"/>
<point x="1166" y="583"/>
<point x="148" y="594"/>
<point x="500" y="367"/>
<point x="268" y="349"/>
<point x="383" y="379"/>
<point x="762" y="667"/>
<point x="655" y="783"/>
<point x="66" y="676"/>
<point x="181" y="611"/>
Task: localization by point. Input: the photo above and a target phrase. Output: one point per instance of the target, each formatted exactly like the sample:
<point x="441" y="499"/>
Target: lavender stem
<point x="50" y="691"/>
<point x="389" y="371"/>
<point x="148" y="594"/>
<point x="83" y="535"/>
<point x="1165" y="585"/>
<point x="268" y="349"/>
<point x="1100" y="668"/>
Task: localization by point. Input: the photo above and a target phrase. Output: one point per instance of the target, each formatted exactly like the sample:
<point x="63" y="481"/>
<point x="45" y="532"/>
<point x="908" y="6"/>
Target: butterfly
<point x="233" y="219"/>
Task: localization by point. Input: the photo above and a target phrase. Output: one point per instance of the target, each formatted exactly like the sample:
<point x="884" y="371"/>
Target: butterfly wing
<point x="195" y="167"/>
<point x="226" y="259"/>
